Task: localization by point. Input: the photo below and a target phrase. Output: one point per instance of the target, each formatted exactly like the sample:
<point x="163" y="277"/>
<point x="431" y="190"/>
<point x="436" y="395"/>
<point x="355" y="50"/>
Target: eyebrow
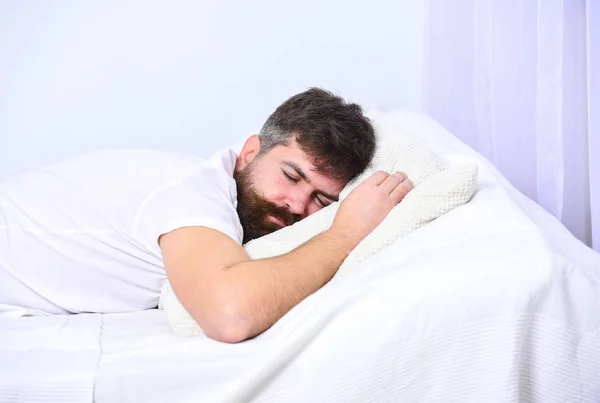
<point x="301" y="173"/>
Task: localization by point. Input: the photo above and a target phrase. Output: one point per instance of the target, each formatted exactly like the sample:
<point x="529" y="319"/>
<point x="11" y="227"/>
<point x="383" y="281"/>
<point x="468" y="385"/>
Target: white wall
<point x="189" y="76"/>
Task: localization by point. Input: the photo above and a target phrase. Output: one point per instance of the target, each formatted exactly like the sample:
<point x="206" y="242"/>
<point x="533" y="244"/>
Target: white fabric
<point x="592" y="41"/>
<point x="436" y="192"/>
<point x="519" y="82"/>
<point x="49" y="358"/>
<point x="82" y="235"/>
<point x="492" y="302"/>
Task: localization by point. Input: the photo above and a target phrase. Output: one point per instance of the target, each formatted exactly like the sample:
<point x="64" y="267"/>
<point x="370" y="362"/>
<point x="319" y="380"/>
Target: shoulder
<point x="219" y="171"/>
<point x="205" y="196"/>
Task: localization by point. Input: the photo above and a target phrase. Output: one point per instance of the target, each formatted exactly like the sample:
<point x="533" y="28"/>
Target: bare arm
<point x="234" y="298"/>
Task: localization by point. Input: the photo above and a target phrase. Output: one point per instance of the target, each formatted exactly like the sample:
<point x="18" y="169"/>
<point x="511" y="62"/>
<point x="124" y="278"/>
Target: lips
<point x="278" y="221"/>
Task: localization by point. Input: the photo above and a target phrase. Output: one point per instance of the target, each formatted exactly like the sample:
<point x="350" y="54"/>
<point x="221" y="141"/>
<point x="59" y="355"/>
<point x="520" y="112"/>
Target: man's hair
<point x="334" y="133"/>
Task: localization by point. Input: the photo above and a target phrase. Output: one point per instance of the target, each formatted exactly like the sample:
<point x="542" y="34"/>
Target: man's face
<point x="278" y="188"/>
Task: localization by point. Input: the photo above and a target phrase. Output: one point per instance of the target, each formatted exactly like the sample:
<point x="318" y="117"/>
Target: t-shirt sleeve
<point x="206" y="198"/>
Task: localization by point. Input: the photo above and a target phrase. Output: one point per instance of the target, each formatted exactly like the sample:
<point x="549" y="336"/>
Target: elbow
<point x="227" y="333"/>
<point x="229" y="324"/>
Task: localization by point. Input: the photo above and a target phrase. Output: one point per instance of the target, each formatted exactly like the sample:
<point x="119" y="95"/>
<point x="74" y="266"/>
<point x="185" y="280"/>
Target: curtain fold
<point x="517" y="81"/>
<point x="593" y="113"/>
<point x="549" y="101"/>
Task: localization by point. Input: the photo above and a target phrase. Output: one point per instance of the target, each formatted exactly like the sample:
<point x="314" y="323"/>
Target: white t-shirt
<point x="82" y="235"/>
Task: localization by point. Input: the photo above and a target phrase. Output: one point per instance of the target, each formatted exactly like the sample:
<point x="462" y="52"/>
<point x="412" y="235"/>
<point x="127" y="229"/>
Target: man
<point x="102" y="232"/>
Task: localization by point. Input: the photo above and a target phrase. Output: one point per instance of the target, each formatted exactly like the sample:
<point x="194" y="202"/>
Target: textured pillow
<point x="437" y="191"/>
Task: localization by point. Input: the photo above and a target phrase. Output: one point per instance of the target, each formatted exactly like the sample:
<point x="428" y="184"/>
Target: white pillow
<point x="436" y="192"/>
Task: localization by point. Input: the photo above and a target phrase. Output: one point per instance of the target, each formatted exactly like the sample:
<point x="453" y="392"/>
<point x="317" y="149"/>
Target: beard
<point x="254" y="209"/>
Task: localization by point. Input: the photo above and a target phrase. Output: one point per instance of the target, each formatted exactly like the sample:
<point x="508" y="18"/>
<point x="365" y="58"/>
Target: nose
<point x="297" y="201"/>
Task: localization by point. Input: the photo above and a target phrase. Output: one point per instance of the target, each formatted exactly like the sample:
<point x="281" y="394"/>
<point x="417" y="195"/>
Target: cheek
<point x="313" y="208"/>
<point x="272" y="187"/>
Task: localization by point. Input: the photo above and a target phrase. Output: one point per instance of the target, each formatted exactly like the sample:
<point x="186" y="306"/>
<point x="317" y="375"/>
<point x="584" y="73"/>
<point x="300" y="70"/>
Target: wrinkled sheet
<point x="494" y="301"/>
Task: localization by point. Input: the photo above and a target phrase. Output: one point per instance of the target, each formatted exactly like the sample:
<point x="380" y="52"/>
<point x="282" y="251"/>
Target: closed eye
<point x="295" y="180"/>
<point x="320" y="202"/>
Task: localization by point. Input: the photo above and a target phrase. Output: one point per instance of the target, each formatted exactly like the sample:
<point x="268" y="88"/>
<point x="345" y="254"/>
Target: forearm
<point x="262" y="291"/>
<point x="234" y="298"/>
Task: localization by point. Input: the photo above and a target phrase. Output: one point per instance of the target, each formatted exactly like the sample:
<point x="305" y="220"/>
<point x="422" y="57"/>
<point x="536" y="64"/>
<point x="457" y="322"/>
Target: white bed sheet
<point x="49" y="358"/>
<point x="480" y="305"/>
<point x="492" y="302"/>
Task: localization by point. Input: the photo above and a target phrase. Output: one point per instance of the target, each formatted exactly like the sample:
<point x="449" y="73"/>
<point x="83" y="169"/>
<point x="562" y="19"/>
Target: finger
<point x="401" y="191"/>
<point x="377" y="178"/>
<point x="392" y="181"/>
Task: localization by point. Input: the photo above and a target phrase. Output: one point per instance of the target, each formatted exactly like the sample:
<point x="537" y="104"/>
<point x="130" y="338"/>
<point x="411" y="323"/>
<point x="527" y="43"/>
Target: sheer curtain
<point x="519" y="81"/>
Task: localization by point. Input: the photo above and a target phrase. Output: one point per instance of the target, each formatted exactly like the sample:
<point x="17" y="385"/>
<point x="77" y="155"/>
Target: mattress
<point x="494" y="301"/>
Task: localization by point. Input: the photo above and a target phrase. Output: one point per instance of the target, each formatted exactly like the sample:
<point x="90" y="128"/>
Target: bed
<point x="494" y="301"/>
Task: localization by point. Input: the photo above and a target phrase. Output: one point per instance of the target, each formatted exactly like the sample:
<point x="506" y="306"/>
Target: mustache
<point x="283" y="213"/>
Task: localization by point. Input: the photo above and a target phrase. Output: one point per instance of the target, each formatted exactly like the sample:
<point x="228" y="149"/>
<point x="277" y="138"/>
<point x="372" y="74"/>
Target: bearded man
<point x="103" y="231"/>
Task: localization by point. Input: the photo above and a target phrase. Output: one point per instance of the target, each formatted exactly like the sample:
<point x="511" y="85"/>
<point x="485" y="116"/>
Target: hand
<point x="368" y="204"/>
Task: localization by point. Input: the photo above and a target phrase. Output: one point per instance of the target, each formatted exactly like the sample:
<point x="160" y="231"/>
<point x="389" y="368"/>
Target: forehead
<point x="294" y="154"/>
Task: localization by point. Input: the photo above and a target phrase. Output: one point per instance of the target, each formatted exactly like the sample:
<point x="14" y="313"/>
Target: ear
<point x="248" y="152"/>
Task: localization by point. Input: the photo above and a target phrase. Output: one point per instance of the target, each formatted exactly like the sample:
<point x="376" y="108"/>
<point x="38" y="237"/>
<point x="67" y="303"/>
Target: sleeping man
<point x="102" y="232"/>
